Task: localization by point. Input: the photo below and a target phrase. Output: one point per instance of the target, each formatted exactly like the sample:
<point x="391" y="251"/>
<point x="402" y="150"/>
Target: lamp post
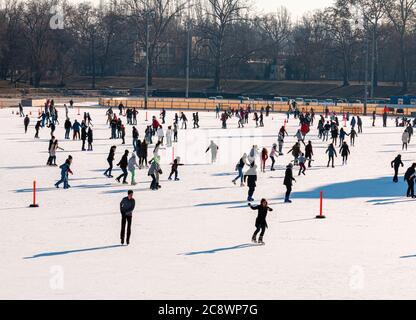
<point x="146" y="90"/>
<point x="188" y="49"/>
<point x="188" y="58"/>
<point x="365" y="51"/>
<point x="366" y="66"/>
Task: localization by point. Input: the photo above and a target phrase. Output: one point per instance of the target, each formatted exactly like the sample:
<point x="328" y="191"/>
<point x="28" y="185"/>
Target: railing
<point x="276" y="106"/>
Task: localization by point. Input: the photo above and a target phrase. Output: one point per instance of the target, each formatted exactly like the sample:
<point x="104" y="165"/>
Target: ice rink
<point x="191" y="238"/>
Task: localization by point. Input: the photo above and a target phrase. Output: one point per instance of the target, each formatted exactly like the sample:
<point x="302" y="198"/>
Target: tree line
<point x="226" y="39"/>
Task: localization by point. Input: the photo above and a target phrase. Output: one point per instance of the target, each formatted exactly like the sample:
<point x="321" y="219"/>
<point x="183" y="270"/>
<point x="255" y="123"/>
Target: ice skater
<point x="405" y="139"/>
<point x="214" y="150"/>
<point x="239" y="167"/>
<point x="154" y="172"/>
<point x="331" y="153"/>
<point x="344" y="151"/>
<point x="295" y="152"/>
<point x="396" y="163"/>
<point x="299" y="136"/>
<point x="132" y="165"/>
<point x="409" y="177"/>
<point x="302" y="167"/>
<point x="254" y="153"/>
<point x="123" y="163"/>
<point x="65" y="171"/>
<point x="264" y="157"/>
<point x="110" y="160"/>
<point x="37" y="127"/>
<point x="21" y="110"/>
<point x="250" y="178"/>
<point x="26" y="122"/>
<point x="169" y="137"/>
<point x="359" y="124"/>
<point x="273" y="156"/>
<point x="288" y="182"/>
<point x="309" y="153"/>
<point x="353" y="135"/>
<point x="90" y="138"/>
<point x="127" y="206"/>
<point x="143" y="154"/>
<point x="261" y="223"/>
<point x="67" y="127"/>
<point x="174" y="169"/>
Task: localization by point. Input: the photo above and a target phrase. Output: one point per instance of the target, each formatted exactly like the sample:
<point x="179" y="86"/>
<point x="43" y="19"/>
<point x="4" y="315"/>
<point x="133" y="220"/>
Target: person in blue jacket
<point x="76" y="127"/>
<point x="65" y="171"/>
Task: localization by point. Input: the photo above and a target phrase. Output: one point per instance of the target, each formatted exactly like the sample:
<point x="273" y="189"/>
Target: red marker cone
<point x="321" y="216"/>
<point x="34" y="204"/>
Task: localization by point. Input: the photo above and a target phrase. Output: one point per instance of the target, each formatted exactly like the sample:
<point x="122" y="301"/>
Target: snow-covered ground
<point x="191" y="239"/>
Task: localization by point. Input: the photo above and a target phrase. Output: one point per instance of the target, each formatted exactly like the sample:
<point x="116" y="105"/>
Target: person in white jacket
<point x="160" y="134"/>
<point x="214" y="150"/>
<point x="254" y="153"/>
<point x="405" y="139"/>
<point x="169" y="137"/>
<point x="132" y="165"/>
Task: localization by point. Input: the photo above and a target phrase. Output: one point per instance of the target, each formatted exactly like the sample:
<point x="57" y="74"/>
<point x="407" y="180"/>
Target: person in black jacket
<point x="135" y="135"/>
<point x="251" y="177"/>
<point x="288" y="182"/>
<point x="409" y="177"/>
<point x="396" y="163"/>
<point x="123" y="166"/>
<point x="344" y="151"/>
<point x="37" y="127"/>
<point x="174" y="170"/>
<point x="309" y="153"/>
<point x="110" y="160"/>
<point x="26" y="122"/>
<point x="90" y="138"/>
<point x="83" y="135"/>
<point x="261" y="223"/>
<point x="126" y="209"/>
<point x="67" y="126"/>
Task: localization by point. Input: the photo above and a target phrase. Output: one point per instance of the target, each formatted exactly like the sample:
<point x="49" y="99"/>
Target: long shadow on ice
<point x="363" y="188"/>
<point x="24" y="167"/>
<point x="240" y="246"/>
<point x="213" y="188"/>
<point x="209" y="204"/>
<point x="58" y="253"/>
<point x="84" y="186"/>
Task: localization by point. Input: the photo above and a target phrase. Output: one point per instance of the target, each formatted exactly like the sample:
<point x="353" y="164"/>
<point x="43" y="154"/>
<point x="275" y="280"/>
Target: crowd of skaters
<point x="329" y="129"/>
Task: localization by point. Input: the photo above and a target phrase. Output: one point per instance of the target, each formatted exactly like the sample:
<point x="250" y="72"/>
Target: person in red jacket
<point x="264" y="157"/>
<point x="155" y="125"/>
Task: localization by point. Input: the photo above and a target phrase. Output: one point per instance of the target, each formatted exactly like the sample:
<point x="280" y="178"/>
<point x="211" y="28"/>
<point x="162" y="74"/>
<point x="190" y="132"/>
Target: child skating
<point x="174" y="170"/>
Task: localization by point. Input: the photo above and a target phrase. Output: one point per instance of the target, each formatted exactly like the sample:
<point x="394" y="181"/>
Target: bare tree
<point x="277" y="29"/>
<point x="11" y="39"/>
<point x="339" y="23"/>
<point x="37" y="31"/>
<point x="215" y="20"/>
<point x="84" y="20"/>
<point x="158" y="15"/>
<point x="401" y="13"/>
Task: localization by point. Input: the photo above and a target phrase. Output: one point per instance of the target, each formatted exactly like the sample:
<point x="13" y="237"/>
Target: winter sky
<point x="296" y="7"/>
